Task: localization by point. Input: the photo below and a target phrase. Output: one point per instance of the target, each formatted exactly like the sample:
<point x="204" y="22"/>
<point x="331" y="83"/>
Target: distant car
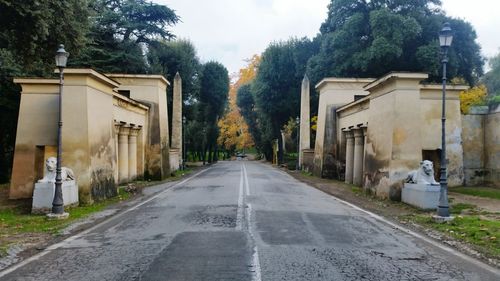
<point x="241" y="155"/>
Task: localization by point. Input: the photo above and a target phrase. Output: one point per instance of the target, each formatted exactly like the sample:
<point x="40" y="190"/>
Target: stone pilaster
<point x="177" y="115"/>
<point x="305" y="122"/>
<point x="123" y="154"/>
<point x="283" y="141"/>
<point x="132" y="153"/>
<point x="116" y="131"/>
<point x="357" y="178"/>
<point x="349" y="156"/>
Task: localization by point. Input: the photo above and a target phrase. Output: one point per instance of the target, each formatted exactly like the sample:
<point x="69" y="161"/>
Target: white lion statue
<point x="424" y="174"/>
<point x="50" y="171"/>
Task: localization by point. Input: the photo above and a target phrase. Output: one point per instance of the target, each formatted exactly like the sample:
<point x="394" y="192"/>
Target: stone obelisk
<point x="177" y="116"/>
<point x="305" y="122"/>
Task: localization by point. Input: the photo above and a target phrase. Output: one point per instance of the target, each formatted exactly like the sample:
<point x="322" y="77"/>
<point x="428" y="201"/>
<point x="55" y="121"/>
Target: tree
<point x="246" y="104"/>
<point x="363" y="38"/>
<point x="30" y="32"/>
<point x="168" y="58"/>
<point x="471" y="97"/>
<point x="276" y="88"/>
<point x="121" y="32"/>
<point x="214" y="90"/>
<point x="492" y="79"/>
<point x="234" y="131"/>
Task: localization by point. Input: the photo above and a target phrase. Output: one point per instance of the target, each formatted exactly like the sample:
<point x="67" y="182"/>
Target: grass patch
<point x="179" y="173"/>
<point x="476" y="230"/>
<point x="306" y="173"/>
<point x="356" y="189"/>
<point x="17" y="223"/>
<point x="459" y="207"/>
<point x="17" y="220"/>
<point x="486" y="192"/>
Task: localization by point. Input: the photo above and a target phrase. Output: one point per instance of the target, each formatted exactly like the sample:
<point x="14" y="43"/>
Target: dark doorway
<point x="435" y="157"/>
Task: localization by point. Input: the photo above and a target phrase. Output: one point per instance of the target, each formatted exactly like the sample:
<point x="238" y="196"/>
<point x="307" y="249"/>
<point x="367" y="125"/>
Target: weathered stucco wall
<point x="151" y="90"/>
<point x="89" y="105"/>
<point x="174" y="159"/>
<point x="474" y="151"/>
<point x="393" y="135"/>
<point x="481" y="145"/>
<point x="492" y="145"/>
<point x="333" y="93"/>
<point x="308" y="160"/>
<point x="37" y="126"/>
<point x="431" y="107"/>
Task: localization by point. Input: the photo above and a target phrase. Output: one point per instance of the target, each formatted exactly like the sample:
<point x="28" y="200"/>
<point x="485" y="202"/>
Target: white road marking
<point x="255" y="256"/>
<point x="246" y="180"/>
<point x="239" y="212"/>
<point x="79" y="235"/>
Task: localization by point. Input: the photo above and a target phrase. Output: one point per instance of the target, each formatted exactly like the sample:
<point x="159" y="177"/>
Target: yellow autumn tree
<point x="473" y="96"/>
<point x="234" y="132"/>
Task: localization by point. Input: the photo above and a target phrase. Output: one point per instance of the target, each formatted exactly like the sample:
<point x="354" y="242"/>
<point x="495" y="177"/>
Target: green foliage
<point x="459" y="207"/>
<point x="119" y="32"/>
<point x="477" y="230"/>
<point x="246" y="103"/>
<point x="486" y="192"/>
<point x="30" y="30"/>
<point x="168" y="58"/>
<point x="492" y="80"/>
<point x="473" y="96"/>
<point x="371" y="38"/>
<point x="107" y="35"/>
<point x="276" y="88"/>
<point x="214" y="83"/>
<point x="29" y="34"/>
<point x="214" y="90"/>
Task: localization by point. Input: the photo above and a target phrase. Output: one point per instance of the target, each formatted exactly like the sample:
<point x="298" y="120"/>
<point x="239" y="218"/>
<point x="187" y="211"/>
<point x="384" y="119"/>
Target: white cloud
<point x="231" y="31"/>
<point x="483" y="15"/>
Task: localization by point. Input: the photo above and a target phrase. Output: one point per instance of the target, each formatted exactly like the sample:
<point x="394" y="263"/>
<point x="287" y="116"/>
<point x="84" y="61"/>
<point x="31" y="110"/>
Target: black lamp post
<point x="58" y="203"/>
<point x="445" y="39"/>
<point x="297" y="121"/>
<point x="183" y="143"/>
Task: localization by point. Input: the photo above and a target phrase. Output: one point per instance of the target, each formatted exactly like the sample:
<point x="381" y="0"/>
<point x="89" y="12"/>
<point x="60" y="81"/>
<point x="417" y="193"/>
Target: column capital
<point x="134" y="131"/>
<point x="358" y="132"/>
<point x="348" y="134"/>
<point x="116" y="126"/>
<point x="365" y="130"/>
<point x="124" y="129"/>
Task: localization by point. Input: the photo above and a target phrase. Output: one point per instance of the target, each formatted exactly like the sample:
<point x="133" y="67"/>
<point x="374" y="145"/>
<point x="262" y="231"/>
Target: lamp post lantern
<point x="445" y="39"/>
<point x="58" y="203"/>
<point x="184" y="153"/>
<point x="297" y="122"/>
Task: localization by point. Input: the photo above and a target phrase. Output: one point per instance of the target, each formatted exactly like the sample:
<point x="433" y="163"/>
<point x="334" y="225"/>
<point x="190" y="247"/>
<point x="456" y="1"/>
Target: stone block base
<point x="439" y="219"/>
<point x="423" y="196"/>
<point x="43" y="195"/>
<point x="62" y="216"/>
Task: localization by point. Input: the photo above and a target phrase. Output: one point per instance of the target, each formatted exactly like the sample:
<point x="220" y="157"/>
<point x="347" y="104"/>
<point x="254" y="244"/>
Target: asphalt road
<point x="244" y="220"/>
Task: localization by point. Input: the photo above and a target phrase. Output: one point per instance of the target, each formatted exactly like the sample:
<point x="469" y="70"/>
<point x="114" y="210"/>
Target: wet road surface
<point x="246" y="221"/>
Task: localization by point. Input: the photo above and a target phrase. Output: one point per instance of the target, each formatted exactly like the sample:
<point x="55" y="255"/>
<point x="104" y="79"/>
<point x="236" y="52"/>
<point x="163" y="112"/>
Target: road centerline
<point x="248" y="219"/>
<point x="239" y="212"/>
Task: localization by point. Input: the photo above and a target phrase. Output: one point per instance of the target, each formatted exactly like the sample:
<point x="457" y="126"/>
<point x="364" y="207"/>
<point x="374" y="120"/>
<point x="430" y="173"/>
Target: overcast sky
<point x="230" y="31"/>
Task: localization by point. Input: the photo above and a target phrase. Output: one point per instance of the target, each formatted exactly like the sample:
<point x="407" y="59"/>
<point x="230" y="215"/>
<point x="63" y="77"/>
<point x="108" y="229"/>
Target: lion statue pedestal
<point x="421" y="189"/>
<point x="43" y="194"/>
